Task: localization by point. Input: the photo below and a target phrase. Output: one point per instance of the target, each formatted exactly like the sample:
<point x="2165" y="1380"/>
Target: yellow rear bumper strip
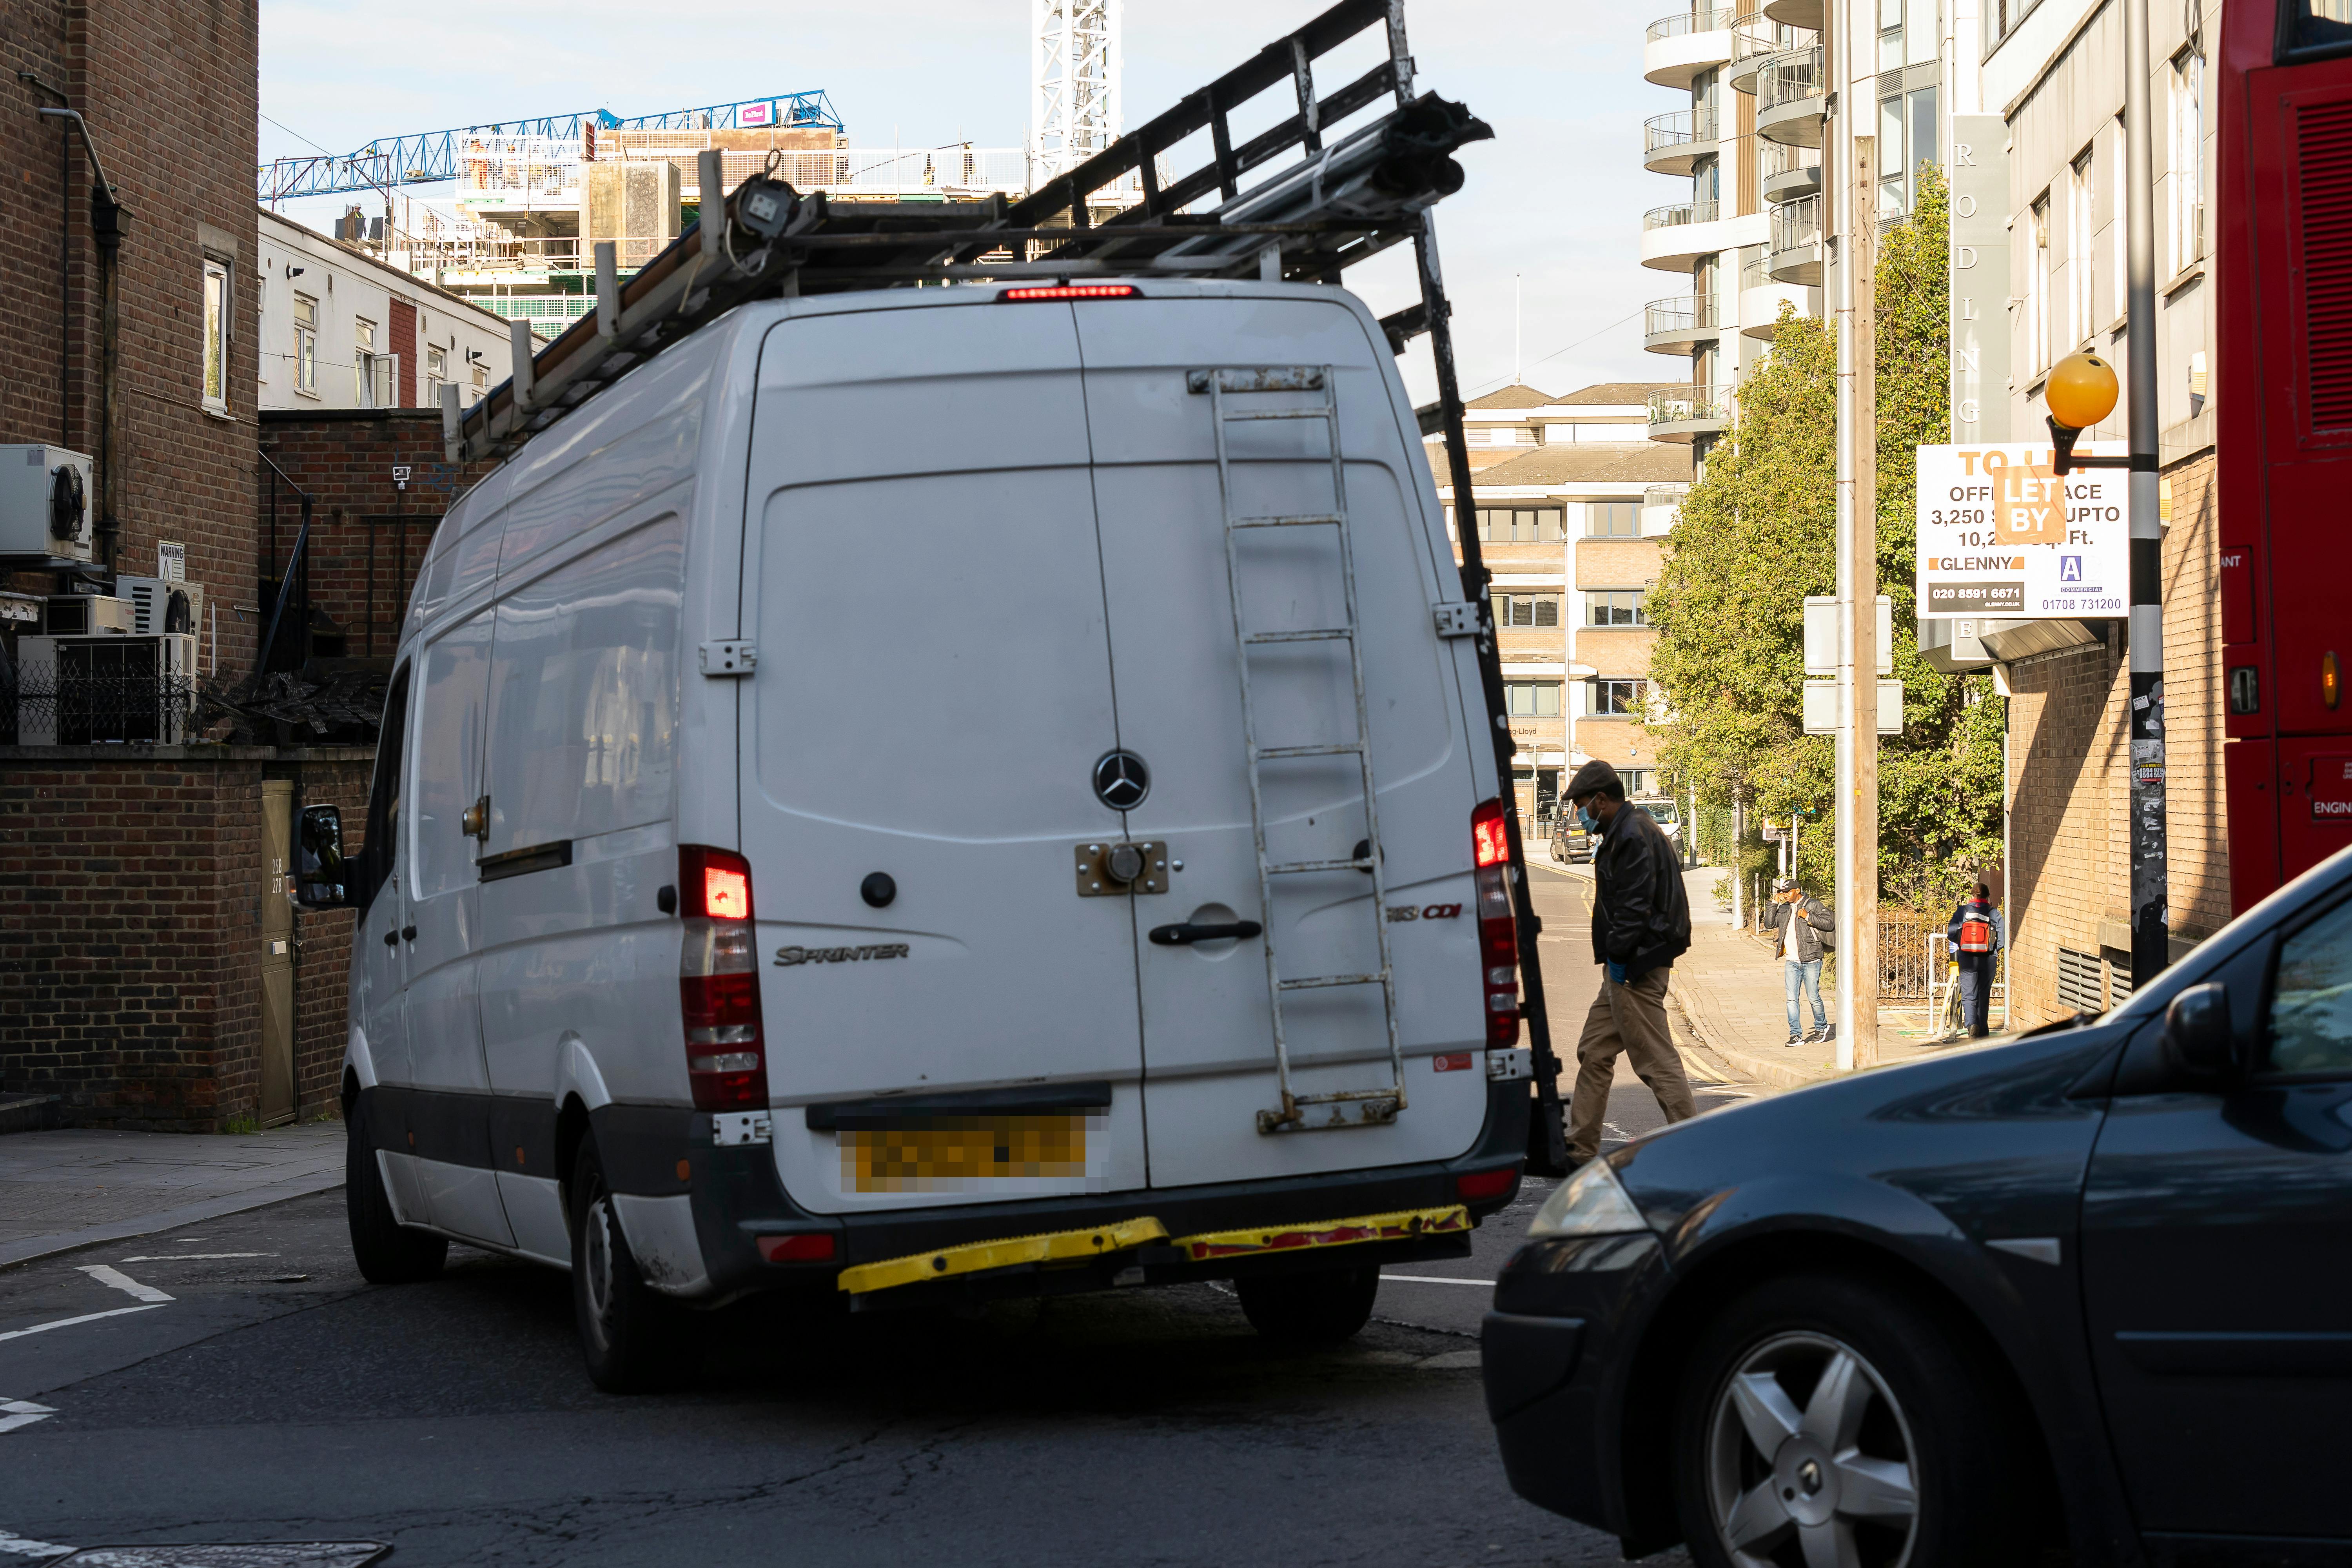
<point x="1404" y="1225"/>
<point x="972" y="1256"/>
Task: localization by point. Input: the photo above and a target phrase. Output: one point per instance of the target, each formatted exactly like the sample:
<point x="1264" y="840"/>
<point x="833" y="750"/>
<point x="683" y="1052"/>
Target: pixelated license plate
<point x="997" y="1154"/>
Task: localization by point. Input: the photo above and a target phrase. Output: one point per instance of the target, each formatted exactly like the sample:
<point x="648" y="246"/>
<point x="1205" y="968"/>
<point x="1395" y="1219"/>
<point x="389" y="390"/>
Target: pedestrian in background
<point x="1977" y="938"/>
<point x="1641" y="924"/>
<point x="1800" y="924"/>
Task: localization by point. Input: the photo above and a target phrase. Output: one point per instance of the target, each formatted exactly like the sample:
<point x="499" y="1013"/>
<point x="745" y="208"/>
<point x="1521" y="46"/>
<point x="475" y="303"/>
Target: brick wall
<point x="130" y="895"/>
<point x="345" y="459"/>
<point x="2070" y="773"/>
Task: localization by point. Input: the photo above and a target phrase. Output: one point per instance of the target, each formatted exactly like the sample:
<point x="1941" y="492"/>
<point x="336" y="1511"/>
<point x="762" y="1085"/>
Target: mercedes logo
<point x="1121" y="781"/>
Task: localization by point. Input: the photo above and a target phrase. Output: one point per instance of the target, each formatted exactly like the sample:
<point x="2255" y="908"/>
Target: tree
<point x="1757" y="533"/>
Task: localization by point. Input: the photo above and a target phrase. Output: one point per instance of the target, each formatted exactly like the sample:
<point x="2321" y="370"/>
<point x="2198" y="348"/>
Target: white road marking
<point x="1435" y="1279"/>
<point x="15" y="1412"/>
<point x="85" y="1318"/>
<point x="120" y="1281"/>
<point x="22" y="1547"/>
<point x="191" y="1257"/>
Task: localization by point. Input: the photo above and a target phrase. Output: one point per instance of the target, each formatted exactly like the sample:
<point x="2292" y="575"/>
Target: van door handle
<point x="408" y="933"/>
<point x="391" y="938"/>
<point x="1186" y="934"/>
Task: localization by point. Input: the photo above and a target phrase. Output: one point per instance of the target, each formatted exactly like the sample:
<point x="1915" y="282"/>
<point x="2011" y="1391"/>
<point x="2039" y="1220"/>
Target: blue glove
<point x="1616" y="972"/>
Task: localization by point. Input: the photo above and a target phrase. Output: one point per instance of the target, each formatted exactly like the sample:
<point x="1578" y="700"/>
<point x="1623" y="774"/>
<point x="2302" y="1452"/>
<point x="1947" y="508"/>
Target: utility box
<point x="1821" y="707"/>
<point x="47" y="505"/>
<point x="89" y="614"/>
<point x="1821" y="648"/>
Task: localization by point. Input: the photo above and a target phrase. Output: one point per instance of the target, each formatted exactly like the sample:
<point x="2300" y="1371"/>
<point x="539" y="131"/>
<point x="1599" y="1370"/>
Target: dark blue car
<point x="2090" y="1290"/>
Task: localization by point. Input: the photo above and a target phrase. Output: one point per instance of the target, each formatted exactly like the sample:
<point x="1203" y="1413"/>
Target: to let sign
<point x="2000" y="534"/>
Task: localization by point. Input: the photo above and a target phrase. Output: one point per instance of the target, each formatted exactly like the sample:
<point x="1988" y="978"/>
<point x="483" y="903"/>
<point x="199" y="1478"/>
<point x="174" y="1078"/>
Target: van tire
<point x="388" y="1252"/>
<point x="628" y="1330"/>
<point x="1323" y="1308"/>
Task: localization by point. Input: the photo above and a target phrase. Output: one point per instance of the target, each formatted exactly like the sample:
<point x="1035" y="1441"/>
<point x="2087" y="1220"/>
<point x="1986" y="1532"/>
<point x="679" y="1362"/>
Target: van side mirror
<point x="2199" y="1043"/>
<point x="321" y="877"/>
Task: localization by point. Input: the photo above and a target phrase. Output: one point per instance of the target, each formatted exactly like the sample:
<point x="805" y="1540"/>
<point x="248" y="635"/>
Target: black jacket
<point x="1641" y="917"/>
<point x="1809" y="930"/>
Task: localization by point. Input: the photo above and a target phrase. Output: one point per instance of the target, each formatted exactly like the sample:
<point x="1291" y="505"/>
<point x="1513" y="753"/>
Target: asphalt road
<point x="272" y="1395"/>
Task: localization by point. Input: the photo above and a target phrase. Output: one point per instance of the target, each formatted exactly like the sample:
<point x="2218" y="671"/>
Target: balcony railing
<point x="1694" y="314"/>
<point x="1664" y="495"/>
<point x="1693" y="21"/>
<point x="1788" y="79"/>
<point x="1797" y="224"/>
<point x="1757" y="34"/>
<point x="1677" y="214"/>
<point x="1685" y="405"/>
<point x="1777" y="158"/>
<point x="1679" y="128"/>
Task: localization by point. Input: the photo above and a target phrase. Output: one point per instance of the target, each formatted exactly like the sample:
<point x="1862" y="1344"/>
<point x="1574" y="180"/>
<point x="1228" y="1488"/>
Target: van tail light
<point x="1472" y="1186"/>
<point x="1498" y="933"/>
<point x="1069" y="291"/>
<point x="719" y="982"/>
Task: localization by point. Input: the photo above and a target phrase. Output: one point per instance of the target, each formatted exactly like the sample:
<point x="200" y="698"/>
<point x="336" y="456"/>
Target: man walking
<point x="1977" y="938"/>
<point x="1800" y="922"/>
<point x="1641" y="923"/>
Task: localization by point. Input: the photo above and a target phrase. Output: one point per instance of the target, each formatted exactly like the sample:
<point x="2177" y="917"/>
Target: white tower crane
<point x="1074" y="90"/>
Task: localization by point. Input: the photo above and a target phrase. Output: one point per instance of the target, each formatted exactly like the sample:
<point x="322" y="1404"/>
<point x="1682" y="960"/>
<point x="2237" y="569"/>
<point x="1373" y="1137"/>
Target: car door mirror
<point x="2199" y="1042"/>
<point x="321" y="876"/>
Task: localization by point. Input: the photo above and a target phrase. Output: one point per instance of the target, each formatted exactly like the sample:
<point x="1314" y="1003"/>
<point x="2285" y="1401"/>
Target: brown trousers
<point x="1632" y="1019"/>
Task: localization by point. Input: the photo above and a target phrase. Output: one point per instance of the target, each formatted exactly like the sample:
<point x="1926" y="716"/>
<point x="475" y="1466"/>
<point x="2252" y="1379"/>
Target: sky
<point x="1553" y="202"/>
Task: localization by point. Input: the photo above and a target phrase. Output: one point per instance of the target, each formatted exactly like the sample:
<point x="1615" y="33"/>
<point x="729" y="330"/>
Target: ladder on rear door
<point x="1339" y="1107"/>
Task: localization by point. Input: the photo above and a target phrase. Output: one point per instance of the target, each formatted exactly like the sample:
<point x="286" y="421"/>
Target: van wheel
<point x="1320" y="1308"/>
<point x="388" y="1252"/>
<point x="628" y="1330"/>
<point x="1825" y="1420"/>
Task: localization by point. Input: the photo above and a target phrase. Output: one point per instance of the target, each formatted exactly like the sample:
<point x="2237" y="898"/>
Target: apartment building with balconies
<point x="1571" y="504"/>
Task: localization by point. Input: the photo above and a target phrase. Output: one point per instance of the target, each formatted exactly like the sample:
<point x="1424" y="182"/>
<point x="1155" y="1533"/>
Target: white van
<point x="814" y="841"/>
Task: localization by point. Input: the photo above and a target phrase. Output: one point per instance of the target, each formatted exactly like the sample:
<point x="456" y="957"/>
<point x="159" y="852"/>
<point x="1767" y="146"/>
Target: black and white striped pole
<point x="2087" y="397"/>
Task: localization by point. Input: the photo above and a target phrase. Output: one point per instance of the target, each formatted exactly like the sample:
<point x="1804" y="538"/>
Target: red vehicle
<point x="2284" y="412"/>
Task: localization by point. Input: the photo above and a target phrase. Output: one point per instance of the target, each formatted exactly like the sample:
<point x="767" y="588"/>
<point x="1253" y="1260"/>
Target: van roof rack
<point x="1320" y="213"/>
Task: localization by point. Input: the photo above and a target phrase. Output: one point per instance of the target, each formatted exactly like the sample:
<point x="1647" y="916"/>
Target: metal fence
<point x="1700" y="20"/>
<point x="1796" y="225"/>
<point x="1677" y="126"/>
<point x="70" y="706"/>
<point x="1790" y="77"/>
<point x="1677" y="214"/>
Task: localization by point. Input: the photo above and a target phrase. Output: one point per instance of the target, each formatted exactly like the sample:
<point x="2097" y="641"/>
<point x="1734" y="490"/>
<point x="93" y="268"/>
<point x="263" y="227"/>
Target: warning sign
<point x="2001" y="535"/>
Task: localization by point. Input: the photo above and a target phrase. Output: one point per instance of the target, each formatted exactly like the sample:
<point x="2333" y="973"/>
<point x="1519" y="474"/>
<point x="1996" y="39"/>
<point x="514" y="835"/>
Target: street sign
<point x="1821" y="707"/>
<point x="2001" y="535"/>
<point x="1822" y="639"/>
<point x="1774" y="834"/>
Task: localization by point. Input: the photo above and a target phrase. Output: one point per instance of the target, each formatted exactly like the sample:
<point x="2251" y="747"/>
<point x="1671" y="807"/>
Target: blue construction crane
<point x="439" y="155"/>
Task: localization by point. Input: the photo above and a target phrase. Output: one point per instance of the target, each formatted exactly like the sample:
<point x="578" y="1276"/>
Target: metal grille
<point x="2119" y="981"/>
<point x="2081" y="988"/>
<point x="98" y="702"/>
<point x="2324" y="149"/>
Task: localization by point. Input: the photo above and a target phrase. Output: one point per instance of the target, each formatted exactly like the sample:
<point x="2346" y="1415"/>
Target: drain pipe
<point x="106" y="221"/>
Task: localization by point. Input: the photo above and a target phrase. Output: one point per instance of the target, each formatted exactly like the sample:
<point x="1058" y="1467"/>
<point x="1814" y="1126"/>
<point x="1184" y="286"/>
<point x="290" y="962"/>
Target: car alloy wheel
<point x="596" y="1265"/>
<point x="1810" y="1460"/>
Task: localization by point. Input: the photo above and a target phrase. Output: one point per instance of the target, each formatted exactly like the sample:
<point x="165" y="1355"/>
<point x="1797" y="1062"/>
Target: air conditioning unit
<point x="87" y="615"/>
<point x="159" y="606"/>
<point x="105" y="690"/>
<point x="47" y="506"/>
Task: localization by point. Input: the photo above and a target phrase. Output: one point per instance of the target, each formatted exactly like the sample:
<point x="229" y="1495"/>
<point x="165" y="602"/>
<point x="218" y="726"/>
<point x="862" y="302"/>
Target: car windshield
<point x="1664" y="810"/>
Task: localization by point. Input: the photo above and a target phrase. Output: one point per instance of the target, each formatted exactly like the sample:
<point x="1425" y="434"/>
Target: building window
<point x="306" y="345"/>
<point x="218" y="310"/>
<point x="2037" y="288"/>
<point x="1518" y="526"/>
<point x="1627" y="699"/>
<point x="1499" y="436"/>
<point x="437" y="374"/>
<point x="2080" y="241"/>
<point x="1613" y="518"/>
<point x="1890" y="35"/>
<point x="481" y="381"/>
<point x="2188" y="160"/>
<point x="1532" y="698"/>
<point x="1527" y="609"/>
<point x="1907" y="139"/>
<point x="1635" y="780"/>
<point x="373" y="375"/>
<point x="1616" y="607"/>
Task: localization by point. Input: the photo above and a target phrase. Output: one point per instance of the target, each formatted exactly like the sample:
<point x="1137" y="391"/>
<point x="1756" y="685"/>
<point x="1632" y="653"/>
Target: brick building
<point x="152" y="970"/>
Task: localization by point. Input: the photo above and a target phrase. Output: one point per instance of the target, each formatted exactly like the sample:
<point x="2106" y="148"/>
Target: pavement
<point x="76" y="1187"/>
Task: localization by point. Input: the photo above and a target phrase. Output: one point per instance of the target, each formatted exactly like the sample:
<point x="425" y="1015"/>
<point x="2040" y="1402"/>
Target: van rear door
<point x="1208" y="1037"/>
<point x="933" y="690"/>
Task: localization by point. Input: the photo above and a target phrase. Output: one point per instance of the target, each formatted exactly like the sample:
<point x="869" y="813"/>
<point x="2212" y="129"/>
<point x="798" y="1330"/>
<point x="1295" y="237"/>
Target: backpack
<point x="1976" y="928"/>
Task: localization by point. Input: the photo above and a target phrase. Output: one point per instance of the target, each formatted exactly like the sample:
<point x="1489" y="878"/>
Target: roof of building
<point x="1620" y="391"/>
<point x="1592" y="462"/>
<point x="408" y="279"/>
<point x="1519" y="395"/>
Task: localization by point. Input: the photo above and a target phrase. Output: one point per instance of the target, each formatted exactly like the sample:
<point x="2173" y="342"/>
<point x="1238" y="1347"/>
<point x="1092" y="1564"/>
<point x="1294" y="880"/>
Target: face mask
<point x="1591" y="822"/>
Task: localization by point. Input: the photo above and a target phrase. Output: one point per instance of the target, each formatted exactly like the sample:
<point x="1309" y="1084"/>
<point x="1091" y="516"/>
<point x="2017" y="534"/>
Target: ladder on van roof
<point x="1346" y="195"/>
<point x="1353" y="1107"/>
